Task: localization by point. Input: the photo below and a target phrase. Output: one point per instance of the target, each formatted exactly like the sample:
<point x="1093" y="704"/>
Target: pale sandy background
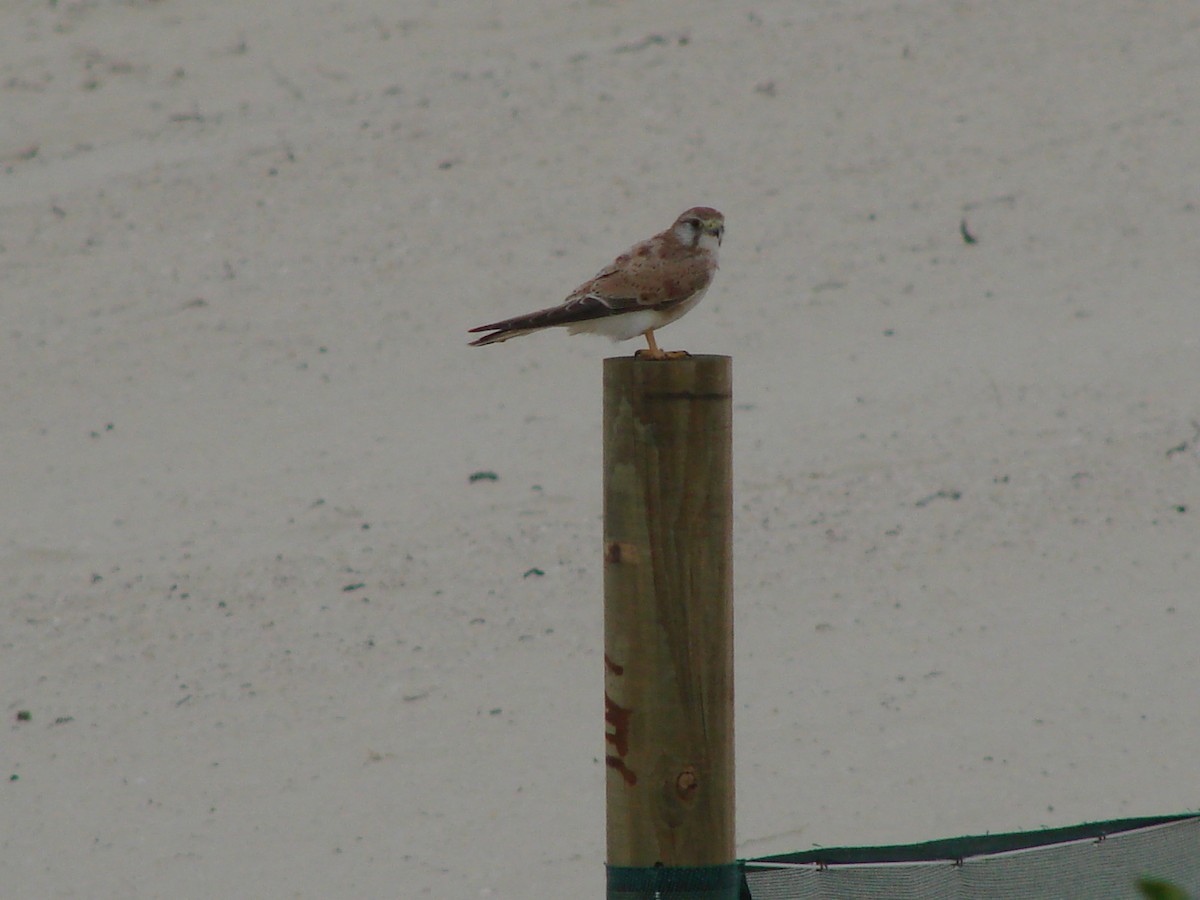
<point x="275" y="644"/>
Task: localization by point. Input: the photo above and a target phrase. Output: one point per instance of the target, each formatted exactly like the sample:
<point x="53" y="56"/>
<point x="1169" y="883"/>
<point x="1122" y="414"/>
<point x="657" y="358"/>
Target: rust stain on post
<point x="618" y="765"/>
<point x="618" y="719"/>
<point x="618" y="552"/>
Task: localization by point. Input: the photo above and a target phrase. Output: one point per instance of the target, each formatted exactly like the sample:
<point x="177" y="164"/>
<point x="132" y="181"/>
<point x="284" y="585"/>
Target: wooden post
<point x="668" y="627"/>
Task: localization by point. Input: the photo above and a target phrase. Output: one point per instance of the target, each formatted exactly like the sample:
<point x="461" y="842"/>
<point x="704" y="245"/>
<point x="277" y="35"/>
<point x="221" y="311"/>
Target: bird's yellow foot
<point x="662" y="354"/>
<point x="654" y="353"/>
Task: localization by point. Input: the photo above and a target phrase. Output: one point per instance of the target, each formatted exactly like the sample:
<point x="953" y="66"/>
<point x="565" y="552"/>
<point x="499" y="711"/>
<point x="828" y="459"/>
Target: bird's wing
<point x="645" y="279"/>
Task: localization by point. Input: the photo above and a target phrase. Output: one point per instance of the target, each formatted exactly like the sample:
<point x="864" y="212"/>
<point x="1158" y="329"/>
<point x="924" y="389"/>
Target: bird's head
<point x="700" y="226"/>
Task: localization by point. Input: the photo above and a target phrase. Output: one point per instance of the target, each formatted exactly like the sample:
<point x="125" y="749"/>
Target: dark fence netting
<point x="1096" y="861"/>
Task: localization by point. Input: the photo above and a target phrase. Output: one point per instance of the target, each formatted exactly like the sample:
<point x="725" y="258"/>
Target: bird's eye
<point x="695" y="223"/>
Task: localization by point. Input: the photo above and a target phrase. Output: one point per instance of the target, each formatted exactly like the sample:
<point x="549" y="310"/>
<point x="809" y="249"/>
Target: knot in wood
<point x="686" y="784"/>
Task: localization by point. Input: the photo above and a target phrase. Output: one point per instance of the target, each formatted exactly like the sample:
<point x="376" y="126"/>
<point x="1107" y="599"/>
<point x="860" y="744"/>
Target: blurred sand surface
<point x="274" y="642"/>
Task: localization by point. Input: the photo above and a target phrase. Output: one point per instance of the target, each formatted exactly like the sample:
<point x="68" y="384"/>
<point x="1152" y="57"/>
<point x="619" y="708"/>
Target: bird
<point x="648" y="286"/>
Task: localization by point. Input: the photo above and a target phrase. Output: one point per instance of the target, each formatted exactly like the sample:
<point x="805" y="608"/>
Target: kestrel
<point x="648" y="286"/>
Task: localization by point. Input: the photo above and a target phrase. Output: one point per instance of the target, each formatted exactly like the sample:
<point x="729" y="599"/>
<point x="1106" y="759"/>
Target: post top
<point x="708" y="358"/>
<point x="687" y="376"/>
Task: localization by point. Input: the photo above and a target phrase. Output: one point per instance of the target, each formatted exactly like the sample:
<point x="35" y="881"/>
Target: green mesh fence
<point x="1098" y="861"/>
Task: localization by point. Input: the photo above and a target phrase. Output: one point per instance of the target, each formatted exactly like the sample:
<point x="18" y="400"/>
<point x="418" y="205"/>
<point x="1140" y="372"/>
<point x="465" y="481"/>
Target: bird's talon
<point x="662" y="354"/>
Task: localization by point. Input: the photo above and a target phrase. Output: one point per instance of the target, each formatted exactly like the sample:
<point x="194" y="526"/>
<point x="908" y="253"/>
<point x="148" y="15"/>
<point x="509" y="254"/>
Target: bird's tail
<point x="518" y="325"/>
<point x="497" y="336"/>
